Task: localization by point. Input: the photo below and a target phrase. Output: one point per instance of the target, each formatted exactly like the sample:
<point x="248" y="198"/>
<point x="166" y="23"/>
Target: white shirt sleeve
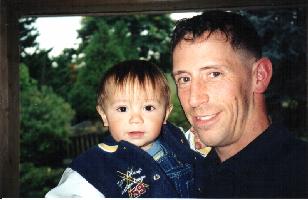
<point x="190" y="138"/>
<point x="72" y="184"/>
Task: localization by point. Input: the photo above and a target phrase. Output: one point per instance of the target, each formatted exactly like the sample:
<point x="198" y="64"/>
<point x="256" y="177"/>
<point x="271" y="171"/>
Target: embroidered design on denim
<point x="132" y="183"/>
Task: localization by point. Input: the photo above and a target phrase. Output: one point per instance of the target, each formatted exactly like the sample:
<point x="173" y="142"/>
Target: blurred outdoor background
<point x="58" y="93"/>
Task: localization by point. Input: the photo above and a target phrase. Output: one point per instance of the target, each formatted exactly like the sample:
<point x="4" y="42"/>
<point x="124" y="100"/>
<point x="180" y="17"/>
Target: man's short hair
<point x="238" y="30"/>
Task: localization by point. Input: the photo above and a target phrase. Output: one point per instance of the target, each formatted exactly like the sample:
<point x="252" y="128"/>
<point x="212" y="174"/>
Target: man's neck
<point x="229" y="151"/>
<point x="256" y="125"/>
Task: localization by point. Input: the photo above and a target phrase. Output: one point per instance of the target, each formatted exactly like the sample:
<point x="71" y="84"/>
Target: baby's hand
<point x="198" y="143"/>
<point x="199" y="146"/>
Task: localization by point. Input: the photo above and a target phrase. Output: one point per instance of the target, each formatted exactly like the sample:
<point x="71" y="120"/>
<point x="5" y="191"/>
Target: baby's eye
<point x="122" y="109"/>
<point x="215" y="74"/>
<point x="149" y="108"/>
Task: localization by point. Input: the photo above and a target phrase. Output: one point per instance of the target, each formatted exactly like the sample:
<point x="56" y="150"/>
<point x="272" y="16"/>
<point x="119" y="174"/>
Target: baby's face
<point x="135" y="115"/>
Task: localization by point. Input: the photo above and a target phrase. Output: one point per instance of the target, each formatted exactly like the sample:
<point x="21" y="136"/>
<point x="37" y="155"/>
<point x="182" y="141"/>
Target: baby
<point x="144" y="155"/>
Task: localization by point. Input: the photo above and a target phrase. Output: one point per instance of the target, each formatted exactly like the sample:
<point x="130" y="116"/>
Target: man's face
<point x="214" y="87"/>
<point x="135" y="115"/>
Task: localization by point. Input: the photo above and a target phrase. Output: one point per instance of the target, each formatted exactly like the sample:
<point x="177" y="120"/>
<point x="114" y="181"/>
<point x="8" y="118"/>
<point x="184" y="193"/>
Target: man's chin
<point x="207" y="137"/>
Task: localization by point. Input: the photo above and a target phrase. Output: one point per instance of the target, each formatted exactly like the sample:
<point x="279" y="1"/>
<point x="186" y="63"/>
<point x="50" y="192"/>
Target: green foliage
<point x="150" y="34"/>
<point x="45" y="117"/>
<point x="40" y="66"/>
<point x="27" y="34"/>
<point x="276" y="27"/>
<point x="36" y="59"/>
<point x="63" y="73"/>
<point x="36" y="181"/>
<point x="45" y="121"/>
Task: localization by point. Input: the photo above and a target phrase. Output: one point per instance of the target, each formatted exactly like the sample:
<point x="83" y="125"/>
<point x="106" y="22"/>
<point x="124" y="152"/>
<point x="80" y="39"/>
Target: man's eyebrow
<point x="214" y="66"/>
<point x="178" y="72"/>
<point x="211" y="67"/>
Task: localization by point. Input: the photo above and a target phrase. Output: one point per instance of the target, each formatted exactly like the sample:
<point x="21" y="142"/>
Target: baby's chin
<point x="142" y="144"/>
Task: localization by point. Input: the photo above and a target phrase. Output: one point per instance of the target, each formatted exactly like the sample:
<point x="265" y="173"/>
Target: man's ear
<point x="168" y="111"/>
<point x="102" y="114"/>
<point x="262" y="74"/>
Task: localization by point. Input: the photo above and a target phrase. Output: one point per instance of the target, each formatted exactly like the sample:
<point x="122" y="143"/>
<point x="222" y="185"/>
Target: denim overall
<point x="181" y="175"/>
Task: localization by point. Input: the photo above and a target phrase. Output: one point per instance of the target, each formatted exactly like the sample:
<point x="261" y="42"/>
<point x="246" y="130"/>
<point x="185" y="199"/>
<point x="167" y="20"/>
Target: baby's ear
<point x="102" y="114"/>
<point x="168" y="111"/>
<point x="262" y="74"/>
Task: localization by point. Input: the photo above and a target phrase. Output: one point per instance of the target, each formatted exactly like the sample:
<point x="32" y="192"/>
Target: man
<point x="221" y="78"/>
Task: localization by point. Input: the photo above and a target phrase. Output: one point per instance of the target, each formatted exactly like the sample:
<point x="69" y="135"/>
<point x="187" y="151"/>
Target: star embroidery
<point x="132" y="183"/>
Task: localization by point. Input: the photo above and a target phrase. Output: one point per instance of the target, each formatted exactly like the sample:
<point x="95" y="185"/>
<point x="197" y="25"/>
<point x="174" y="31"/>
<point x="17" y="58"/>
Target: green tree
<point x="150" y="34"/>
<point x="45" y="117"/>
<point x="64" y="73"/>
<point x="36" y="59"/>
<point x="40" y="66"/>
<point x="37" y="181"/>
<point x="27" y="35"/>
<point x="45" y="121"/>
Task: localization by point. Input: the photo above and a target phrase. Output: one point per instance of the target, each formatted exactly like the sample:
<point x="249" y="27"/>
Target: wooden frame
<point x="11" y="10"/>
<point x="9" y="102"/>
<point x="77" y="7"/>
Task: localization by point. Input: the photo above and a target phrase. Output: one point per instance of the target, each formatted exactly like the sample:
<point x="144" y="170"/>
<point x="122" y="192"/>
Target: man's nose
<point x="198" y="94"/>
<point x="136" y="118"/>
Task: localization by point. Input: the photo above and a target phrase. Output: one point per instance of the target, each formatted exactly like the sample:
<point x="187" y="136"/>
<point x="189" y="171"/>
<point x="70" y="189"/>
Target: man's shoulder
<point x="292" y="143"/>
<point x="297" y="151"/>
<point x="289" y="154"/>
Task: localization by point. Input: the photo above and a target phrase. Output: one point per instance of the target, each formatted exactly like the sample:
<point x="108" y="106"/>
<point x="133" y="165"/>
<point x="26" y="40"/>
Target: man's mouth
<point x="205" y="120"/>
<point x="206" y="117"/>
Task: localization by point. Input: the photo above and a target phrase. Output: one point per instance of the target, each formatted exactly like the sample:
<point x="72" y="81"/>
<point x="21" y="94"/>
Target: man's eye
<point x="214" y="74"/>
<point x="149" y="108"/>
<point x="122" y="109"/>
<point x="183" y="80"/>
